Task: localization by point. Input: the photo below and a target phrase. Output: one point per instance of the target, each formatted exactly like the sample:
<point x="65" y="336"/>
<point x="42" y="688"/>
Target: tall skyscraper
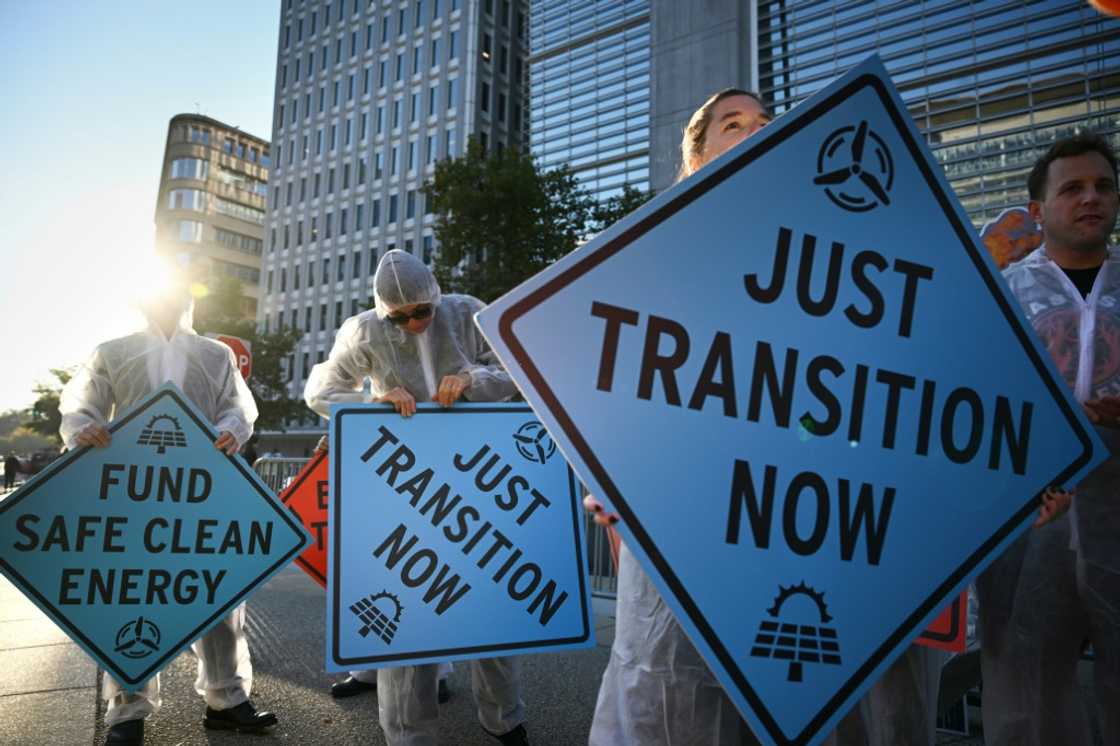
<point x="212" y="199"/>
<point x="991" y="84"/>
<point x="589" y="90"/>
<point x="369" y="95"/>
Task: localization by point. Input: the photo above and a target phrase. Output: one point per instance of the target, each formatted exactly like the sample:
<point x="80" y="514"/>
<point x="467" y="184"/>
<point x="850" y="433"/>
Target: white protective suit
<point x="1060" y="584"/>
<point x="899" y="708"/>
<point x="119" y="374"/>
<point x="657" y="690"/>
<point x="369" y="675"/>
<point x="368" y="346"/>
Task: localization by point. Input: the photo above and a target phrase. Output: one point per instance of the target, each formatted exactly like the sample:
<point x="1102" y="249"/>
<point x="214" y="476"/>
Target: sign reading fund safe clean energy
<point x="454" y="534"/>
<point x="801" y="383"/>
<point x="137" y="549"/>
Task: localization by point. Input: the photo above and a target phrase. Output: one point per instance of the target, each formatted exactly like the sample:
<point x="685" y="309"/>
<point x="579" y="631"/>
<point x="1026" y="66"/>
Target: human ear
<point x="1034" y="207"/>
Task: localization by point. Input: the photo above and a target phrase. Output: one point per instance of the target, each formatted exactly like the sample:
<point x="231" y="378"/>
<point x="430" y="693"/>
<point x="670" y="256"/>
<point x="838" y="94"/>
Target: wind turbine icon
<point x="870" y="170"/>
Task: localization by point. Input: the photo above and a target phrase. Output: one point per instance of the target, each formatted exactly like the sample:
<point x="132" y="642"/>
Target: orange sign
<point x="949" y="629"/>
<point x="306" y="497"/>
<point x="1011" y="236"/>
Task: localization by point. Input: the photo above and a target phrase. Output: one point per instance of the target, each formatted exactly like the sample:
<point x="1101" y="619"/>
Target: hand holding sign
<point x="1055" y="502"/>
<point x="402" y="401"/>
<point x="451" y="388"/>
<point x="94" y="436"/>
<point x="601" y="517"/>
<point x="227" y="443"/>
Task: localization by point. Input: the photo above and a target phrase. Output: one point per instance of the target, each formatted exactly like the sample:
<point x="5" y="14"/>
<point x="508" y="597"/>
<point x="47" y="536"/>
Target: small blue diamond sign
<point x="137" y="549"/>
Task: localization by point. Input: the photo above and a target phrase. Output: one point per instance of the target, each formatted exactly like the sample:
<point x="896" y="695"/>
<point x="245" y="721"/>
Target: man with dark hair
<point x="1068" y="148"/>
<point x="1059" y="585"/>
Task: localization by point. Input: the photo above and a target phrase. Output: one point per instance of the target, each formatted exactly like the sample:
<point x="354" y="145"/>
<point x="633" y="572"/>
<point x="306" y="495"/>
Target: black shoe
<point x="516" y="737"/>
<point x="128" y="733"/>
<point x="243" y="718"/>
<point x="350" y="686"/>
<point x="444" y="691"/>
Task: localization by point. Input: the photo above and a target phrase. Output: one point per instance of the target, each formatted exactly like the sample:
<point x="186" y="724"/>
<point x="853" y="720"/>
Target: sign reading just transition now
<point x="803" y="385"/>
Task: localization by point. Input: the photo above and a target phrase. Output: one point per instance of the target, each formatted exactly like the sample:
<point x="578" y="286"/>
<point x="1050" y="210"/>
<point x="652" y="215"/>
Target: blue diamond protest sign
<point x="138" y="548"/>
<point x="454" y="534"/>
<point x="801" y="382"/>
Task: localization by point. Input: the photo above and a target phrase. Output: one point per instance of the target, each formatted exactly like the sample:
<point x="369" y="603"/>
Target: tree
<point x="25" y="441"/>
<point x="16" y="437"/>
<point x="45" y="418"/>
<point x="609" y="212"/>
<point x="10" y="420"/>
<point x="500" y="219"/>
<point x="220" y="312"/>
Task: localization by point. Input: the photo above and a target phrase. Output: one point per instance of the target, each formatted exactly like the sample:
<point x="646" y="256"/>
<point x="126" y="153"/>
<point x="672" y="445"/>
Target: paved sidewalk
<point x="48" y="685"/>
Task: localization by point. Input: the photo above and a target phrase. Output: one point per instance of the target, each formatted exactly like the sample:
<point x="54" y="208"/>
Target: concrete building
<point x="211" y="201"/>
<point x="369" y="95"/>
<point x="589" y="90"/>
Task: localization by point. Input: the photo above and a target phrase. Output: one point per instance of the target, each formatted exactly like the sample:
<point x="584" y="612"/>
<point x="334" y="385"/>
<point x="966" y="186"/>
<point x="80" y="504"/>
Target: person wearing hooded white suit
<point x="119" y="374"/>
<point x="1059" y="585"/>
<point x="419" y="345"/>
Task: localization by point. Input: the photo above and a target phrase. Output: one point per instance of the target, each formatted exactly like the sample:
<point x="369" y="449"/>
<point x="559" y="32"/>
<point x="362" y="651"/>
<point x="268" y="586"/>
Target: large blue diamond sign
<point x="137" y="549"/>
<point x="801" y="382"/>
<point x="454" y="534"/>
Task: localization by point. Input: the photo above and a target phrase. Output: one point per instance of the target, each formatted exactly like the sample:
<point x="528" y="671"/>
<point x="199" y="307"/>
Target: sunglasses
<point x="400" y="319"/>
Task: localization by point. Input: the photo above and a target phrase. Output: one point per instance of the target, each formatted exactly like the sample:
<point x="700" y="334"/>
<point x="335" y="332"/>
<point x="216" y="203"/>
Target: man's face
<point x="1078" y="210"/>
<point x="166" y="306"/>
<point x="414" y="319"/>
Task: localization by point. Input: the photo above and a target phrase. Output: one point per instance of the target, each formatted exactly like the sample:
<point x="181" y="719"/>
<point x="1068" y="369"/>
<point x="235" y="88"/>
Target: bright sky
<point x="88" y="89"/>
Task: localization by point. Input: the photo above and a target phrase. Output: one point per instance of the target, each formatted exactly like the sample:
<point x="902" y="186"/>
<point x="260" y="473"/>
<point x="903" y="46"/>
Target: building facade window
<point x="190" y="168"/>
<point x="187" y="199"/>
<point x="190" y="231"/>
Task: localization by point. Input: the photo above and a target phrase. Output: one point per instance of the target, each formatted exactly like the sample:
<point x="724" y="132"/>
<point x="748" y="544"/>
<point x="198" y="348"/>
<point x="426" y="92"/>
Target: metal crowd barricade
<point x="277" y="473"/>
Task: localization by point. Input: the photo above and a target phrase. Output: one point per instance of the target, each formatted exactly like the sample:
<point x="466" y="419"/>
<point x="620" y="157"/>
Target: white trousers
<point x="408" y="706"/>
<point x="369" y="675"/>
<point x="225" y="675"/>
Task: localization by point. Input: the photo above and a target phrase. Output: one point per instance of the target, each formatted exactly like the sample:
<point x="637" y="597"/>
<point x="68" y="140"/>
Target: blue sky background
<point x="88" y="89"/>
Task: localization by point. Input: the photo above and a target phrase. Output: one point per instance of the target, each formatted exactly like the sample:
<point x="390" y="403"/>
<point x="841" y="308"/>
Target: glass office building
<point x="589" y="90"/>
<point x="991" y="83"/>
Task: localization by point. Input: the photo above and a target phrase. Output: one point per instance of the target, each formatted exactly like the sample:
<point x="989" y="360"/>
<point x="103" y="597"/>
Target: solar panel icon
<point x="375" y="619"/>
<point x="795" y="642"/>
<point x="162" y="438"/>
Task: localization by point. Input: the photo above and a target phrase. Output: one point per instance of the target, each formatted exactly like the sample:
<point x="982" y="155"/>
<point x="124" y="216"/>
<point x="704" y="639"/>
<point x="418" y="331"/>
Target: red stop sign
<point x="242" y="352"/>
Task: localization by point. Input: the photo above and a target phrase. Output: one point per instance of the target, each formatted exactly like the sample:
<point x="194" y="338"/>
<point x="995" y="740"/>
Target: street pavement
<point x="48" y="686"/>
